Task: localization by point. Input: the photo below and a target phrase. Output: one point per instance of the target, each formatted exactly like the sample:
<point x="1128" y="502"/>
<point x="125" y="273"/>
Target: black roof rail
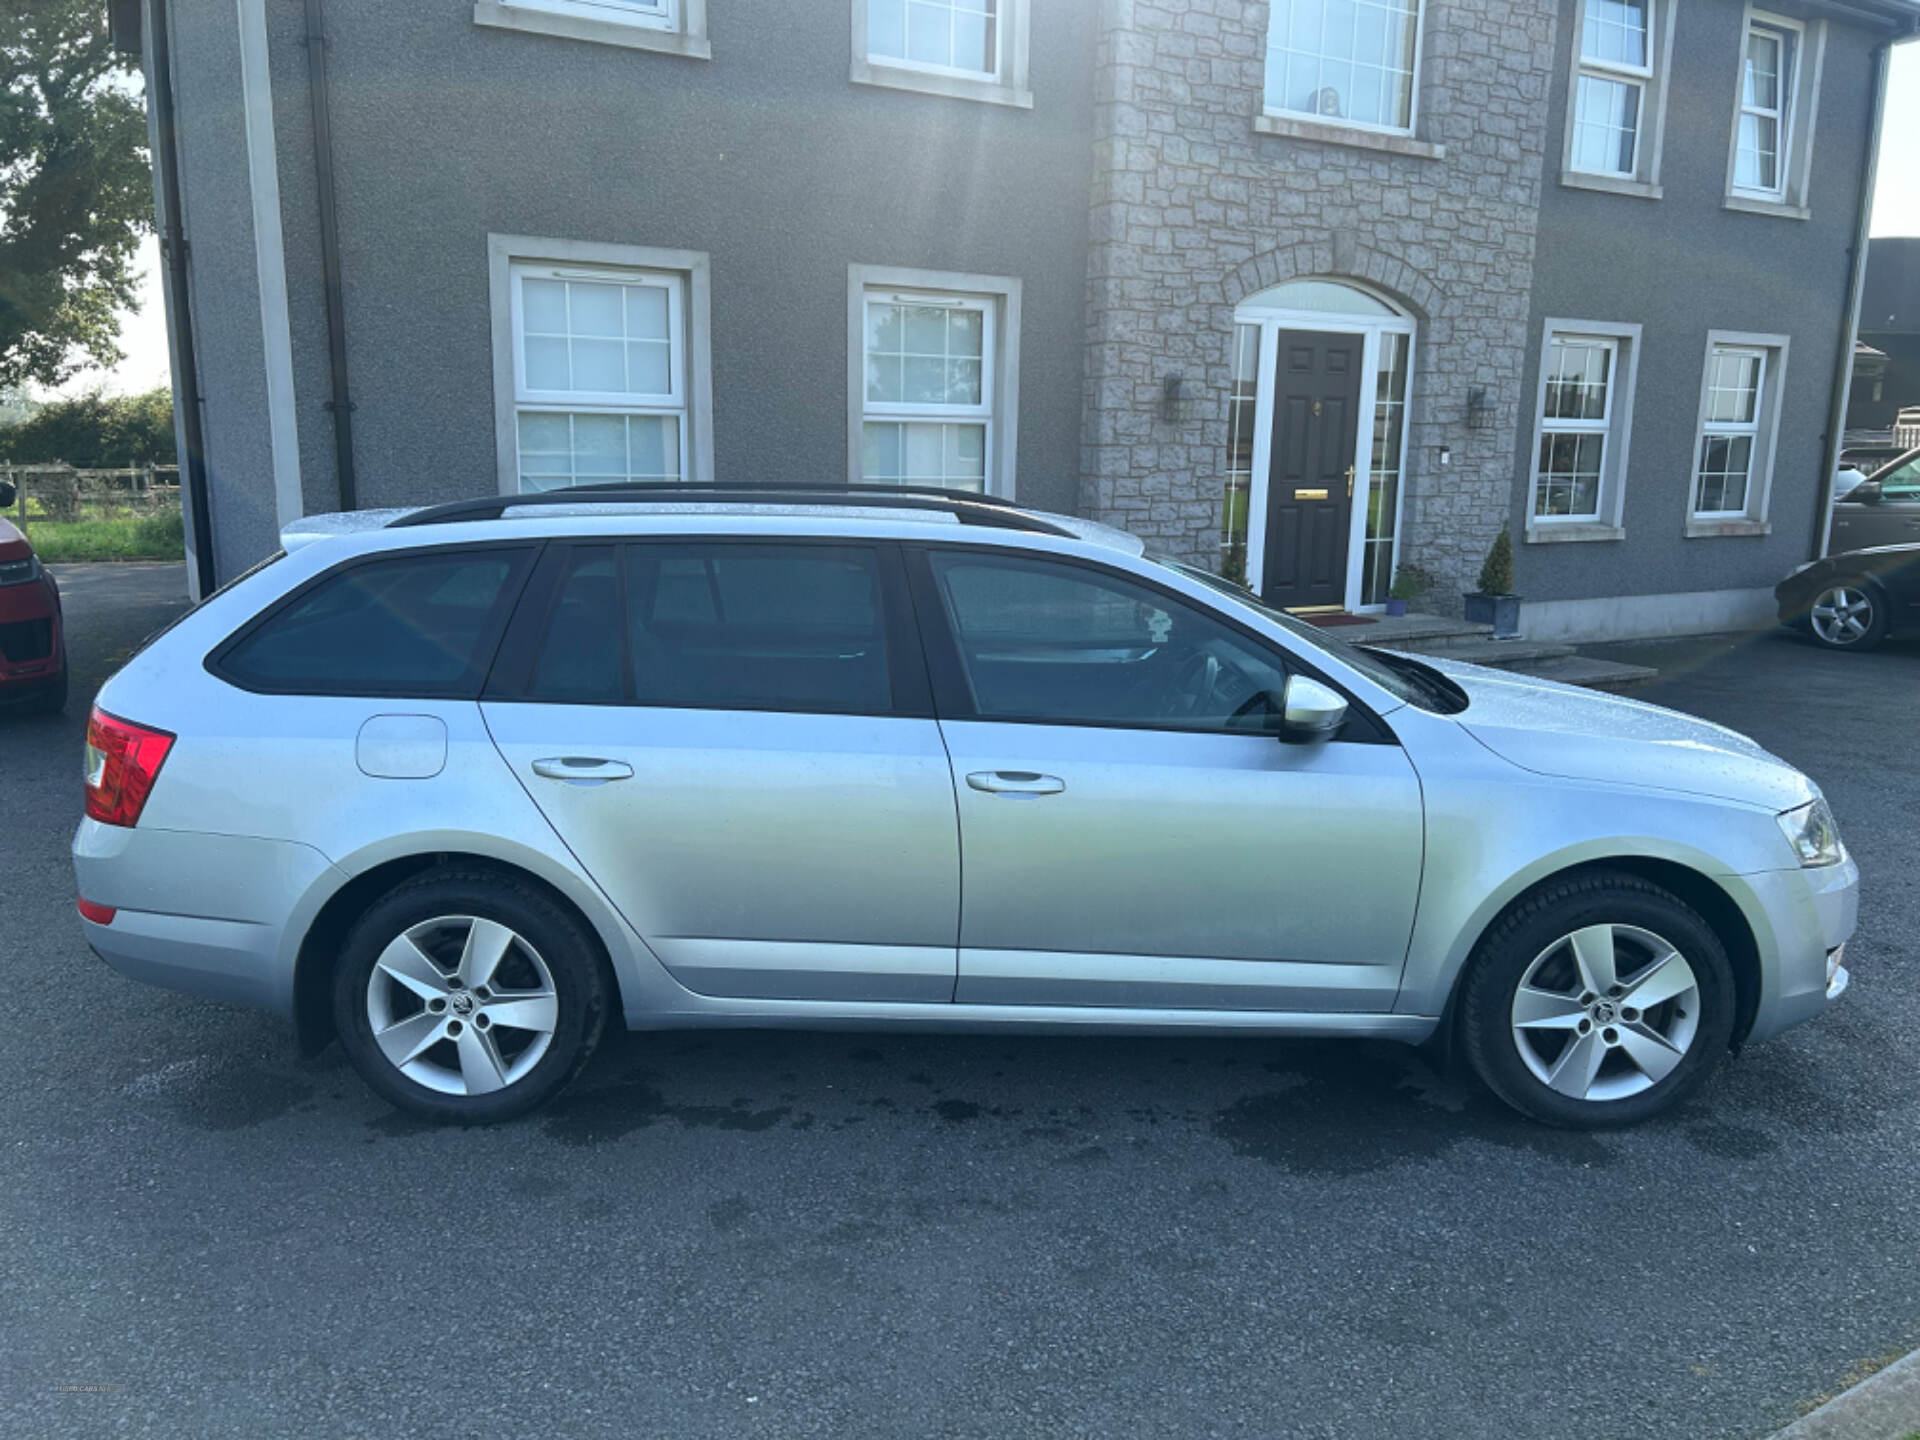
<point x="967" y="506"/>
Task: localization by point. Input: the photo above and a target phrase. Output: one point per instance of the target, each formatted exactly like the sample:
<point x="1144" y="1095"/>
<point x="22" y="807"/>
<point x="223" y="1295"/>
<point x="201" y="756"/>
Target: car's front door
<point x="735" y="741"/>
<point x="1892" y="517"/>
<point x="1132" y="832"/>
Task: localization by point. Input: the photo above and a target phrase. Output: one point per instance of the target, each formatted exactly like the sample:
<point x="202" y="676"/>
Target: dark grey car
<point x="1884" y="509"/>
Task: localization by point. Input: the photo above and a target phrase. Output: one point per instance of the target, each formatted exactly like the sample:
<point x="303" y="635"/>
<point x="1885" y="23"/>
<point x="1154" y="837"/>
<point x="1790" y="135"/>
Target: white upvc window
<point x="1353" y="62"/>
<point x="929" y="390"/>
<point x="674" y="27"/>
<point x="1582" y="430"/>
<point x="1766" y="110"/>
<point x="1739" y="424"/>
<point x="933" y="373"/>
<point x="964" y="49"/>
<point x="1729" y="431"/>
<point x="600" y="372"/>
<point x="1616" y="64"/>
<point x="1575" y="420"/>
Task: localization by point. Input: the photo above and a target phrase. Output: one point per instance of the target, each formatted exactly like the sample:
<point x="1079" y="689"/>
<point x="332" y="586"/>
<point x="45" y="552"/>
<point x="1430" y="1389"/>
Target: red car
<point x="33" y="648"/>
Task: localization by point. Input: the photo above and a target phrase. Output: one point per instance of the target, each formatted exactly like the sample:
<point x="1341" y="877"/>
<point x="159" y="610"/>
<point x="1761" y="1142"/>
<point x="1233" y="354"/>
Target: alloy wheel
<point x="462" y="1005"/>
<point x="1842" y="615"/>
<point x="1606" y="1012"/>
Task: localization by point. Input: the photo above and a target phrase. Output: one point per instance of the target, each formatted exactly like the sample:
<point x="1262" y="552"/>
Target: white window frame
<point x="686" y="275"/>
<point x="999" y="298"/>
<point x="1650" y="117"/>
<point x="1765" y="429"/>
<point x="1300" y="117"/>
<point x="672" y="27"/>
<point x="1800" y="107"/>
<point x="1617" y="428"/>
<point x="1007" y="84"/>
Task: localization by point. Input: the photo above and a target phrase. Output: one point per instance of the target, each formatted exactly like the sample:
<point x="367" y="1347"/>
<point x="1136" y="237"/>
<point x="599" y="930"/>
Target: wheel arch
<point x="1694" y="888"/>
<point x="319" y="948"/>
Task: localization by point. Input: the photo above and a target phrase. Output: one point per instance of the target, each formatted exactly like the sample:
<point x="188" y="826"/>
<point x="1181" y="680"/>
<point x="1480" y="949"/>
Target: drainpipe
<point x="341" y="403"/>
<point x="173" y="247"/>
<point x="1856" y="281"/>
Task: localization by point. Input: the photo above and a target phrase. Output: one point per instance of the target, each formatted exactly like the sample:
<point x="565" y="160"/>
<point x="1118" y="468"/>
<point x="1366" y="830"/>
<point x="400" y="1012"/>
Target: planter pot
<point x="1500" y="611"/>
<point x="1396" y="607"/>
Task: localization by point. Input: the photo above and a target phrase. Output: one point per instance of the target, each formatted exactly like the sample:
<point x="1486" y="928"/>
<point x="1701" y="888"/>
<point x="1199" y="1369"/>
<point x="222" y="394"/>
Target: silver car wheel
<point x="462" y="1005"/>
<point x="1606" y="1012"/>
<point x="1842" y="615"/>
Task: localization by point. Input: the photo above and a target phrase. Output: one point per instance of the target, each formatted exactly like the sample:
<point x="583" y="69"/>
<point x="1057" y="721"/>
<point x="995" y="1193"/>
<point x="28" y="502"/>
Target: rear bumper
<point x="33" y="649"/>
<point x="1809" y="914"/>
<point x="205" y="914"/>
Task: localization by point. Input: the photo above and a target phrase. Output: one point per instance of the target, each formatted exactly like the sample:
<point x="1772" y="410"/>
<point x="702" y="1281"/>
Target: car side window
<point x="1902" y="483"/>
<point x="1057" y="643"/>
<point x="578" y="659"/>
<point x="761" y="627"/>
<point x="418" y="624"/>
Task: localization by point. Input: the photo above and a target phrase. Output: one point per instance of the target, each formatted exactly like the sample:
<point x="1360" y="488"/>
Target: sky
<point x="1896" y="211"/>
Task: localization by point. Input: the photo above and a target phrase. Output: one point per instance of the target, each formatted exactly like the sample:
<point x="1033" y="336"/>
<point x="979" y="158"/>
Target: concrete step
<point x="1397" y="632"/>
<point x="1502" y="654"/>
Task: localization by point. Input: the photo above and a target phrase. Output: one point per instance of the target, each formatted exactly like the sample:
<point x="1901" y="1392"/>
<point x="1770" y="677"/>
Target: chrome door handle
<point x="1015" y="782"/>
<point x="585" y="769"/>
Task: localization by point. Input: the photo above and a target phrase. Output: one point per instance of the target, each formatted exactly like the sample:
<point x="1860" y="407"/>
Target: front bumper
<point x="1808" y="916"/>
<point x="33" y="649"/>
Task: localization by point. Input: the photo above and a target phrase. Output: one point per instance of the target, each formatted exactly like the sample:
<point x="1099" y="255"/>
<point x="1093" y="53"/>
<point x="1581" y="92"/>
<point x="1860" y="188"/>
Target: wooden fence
<point x="63" y="495"/>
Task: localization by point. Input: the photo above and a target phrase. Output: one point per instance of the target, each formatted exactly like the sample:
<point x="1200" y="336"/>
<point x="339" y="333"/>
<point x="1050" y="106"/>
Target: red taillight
<point x="98" y="914"/>
<point x="123" y="760"/>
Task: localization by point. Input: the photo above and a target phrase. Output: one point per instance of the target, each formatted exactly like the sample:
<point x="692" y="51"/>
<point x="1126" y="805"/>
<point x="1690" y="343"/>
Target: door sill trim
<point x="713" y="1012"/>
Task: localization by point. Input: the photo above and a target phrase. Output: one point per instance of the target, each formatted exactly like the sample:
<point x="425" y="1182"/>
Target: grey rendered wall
<point x="1194" y="211"/>
<point x="1683" y="265"/>
<point x="765" y="157"/>
<point x="216" y="210"/>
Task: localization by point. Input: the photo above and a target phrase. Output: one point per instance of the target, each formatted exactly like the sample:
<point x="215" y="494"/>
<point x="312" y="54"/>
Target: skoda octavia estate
<point x="459" y="785"/>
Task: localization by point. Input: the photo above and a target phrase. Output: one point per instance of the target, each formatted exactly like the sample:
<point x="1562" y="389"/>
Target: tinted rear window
<point x="717" y="626"/>
<point x="413" y="625"/>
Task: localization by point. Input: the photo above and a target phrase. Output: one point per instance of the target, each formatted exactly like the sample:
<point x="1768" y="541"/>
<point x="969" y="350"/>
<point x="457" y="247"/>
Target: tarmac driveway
<point x="772" y="1234"/>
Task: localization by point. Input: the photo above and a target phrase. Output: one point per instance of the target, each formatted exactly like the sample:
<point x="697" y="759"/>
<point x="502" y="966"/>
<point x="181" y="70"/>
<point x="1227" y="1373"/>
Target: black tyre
<point x="469" y="996"/>
<point x="53" y="699"/>
<point x="1847" y="613"/>
<point x="1599" y="1000"/>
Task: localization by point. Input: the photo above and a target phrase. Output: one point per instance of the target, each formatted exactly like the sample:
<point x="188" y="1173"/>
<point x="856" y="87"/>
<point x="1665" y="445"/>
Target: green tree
<point x="75" y="192"/>
<point x="95" y="432"/>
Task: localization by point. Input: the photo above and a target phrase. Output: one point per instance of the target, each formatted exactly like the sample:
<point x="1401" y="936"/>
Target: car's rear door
<point x="735" y="739"/>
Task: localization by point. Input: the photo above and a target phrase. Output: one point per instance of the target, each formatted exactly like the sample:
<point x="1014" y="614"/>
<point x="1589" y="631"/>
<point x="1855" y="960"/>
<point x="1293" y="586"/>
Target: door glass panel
<point x="1057" y="643"/>
<point x="579" y="656"/>
<point x="770" y="627"/>
<point x="1903" y="483"/>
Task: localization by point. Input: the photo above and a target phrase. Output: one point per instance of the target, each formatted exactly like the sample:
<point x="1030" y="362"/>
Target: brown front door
<point x="1316" y="408"/>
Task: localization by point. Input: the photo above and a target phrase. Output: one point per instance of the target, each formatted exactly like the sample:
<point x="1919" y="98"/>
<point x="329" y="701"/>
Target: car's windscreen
<point x="1409" y="680"/>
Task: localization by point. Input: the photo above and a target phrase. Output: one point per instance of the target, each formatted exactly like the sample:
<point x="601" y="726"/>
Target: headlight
<point x="19" y="572"/>
<point x="1813" y="835"/>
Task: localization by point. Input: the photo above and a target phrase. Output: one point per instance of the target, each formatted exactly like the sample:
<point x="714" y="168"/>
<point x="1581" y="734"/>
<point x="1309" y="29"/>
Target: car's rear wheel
<point x="1847" y="614"/>
<point x="1599" y="1000"/>
<point x="469" y="997"/>
<point x="53" y="698"/>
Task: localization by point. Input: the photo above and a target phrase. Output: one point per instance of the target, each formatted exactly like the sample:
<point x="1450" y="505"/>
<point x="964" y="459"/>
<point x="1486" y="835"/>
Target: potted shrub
<point x="1494" y="603"/>
<point x="1408" y="584"/>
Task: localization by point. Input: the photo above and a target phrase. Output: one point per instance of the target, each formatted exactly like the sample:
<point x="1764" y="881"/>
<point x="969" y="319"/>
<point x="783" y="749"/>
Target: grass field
<point x="120" y="537"/>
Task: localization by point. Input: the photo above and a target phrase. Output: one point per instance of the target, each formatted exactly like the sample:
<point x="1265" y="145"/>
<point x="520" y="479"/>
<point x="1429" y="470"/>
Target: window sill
<point x="1292" y="128"/>
<point x="601" y="32"/>
<point x="1754" y="205"/>
<point x="1611" y="184"/>
<point x="1572" y="532"/>
<point x="1700" y="529"/>
<point x="952" y="87"/>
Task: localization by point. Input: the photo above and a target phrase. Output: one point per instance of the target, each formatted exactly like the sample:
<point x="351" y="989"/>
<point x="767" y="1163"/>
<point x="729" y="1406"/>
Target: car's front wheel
<point x="1848" y="614"/>
<point x="1599" y="1000"/>
<point x="469" y="997"/>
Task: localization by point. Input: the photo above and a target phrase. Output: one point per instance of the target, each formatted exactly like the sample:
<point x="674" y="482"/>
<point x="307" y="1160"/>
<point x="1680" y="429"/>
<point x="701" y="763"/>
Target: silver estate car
<point x="458" y="785"/>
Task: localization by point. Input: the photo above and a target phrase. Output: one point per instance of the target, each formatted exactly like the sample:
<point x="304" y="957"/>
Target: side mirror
<point x="1310" y="711"/>
<point x="1867" y="492"/>
<point x="6" y="494"/>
